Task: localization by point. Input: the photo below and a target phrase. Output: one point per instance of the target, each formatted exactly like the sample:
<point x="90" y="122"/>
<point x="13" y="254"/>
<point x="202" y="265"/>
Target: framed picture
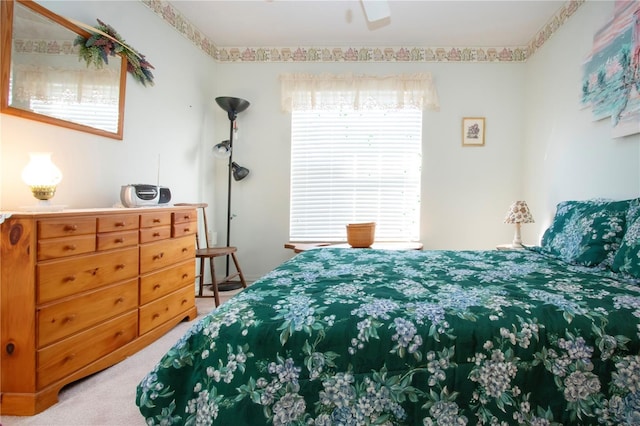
<point x="473" y="131"/>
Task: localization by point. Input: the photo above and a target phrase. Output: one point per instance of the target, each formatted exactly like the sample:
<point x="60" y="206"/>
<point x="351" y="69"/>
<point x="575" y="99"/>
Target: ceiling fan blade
<point x="375" y="10"/>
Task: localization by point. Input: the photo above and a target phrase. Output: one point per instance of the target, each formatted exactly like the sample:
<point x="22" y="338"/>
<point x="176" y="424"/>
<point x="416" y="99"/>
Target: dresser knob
<point x="155" y="316"/>
<point x="70" y="247"/>
<point x="185" y="276"/>
<point x="10" y="348"/>
<point x="156" y="287"/>
<point x="120" y="224"/>
<point x="69" y="358"/>
<point x="119" y="333"/>
<point x="184" y="249"/>
<point x="156" y="234"/>
<point x="69" y="279"/>
<point x="119" y="300"/>
<point x="120" y="266"/>
<point x="119" y="240"/>
<point x="71" y="227"/>
<point x="156" y="220"/>
<point x="69" y="318"/>
<point x="158" y="256"/>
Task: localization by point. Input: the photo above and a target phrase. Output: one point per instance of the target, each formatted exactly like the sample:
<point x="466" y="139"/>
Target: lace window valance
<point x="352" y="91"/>
<point x="49" y="84"/>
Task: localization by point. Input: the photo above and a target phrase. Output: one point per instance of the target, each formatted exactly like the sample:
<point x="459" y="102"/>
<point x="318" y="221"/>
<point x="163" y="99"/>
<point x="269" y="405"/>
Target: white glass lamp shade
<point x="41" y="175"/>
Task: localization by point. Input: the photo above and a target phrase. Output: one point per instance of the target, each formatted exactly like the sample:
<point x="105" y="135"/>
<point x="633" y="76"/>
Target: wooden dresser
<point x="81" y="290"/>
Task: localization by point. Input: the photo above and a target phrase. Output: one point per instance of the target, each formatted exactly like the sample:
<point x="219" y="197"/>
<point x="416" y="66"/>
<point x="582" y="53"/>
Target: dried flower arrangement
<point x="105" y="42"/>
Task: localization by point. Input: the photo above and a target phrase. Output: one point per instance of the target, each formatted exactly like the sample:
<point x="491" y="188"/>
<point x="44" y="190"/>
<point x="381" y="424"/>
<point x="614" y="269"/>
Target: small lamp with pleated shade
<point x="518" y="214"/>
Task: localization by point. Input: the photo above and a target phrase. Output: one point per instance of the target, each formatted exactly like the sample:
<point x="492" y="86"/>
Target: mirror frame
<point x="6" y="47"/>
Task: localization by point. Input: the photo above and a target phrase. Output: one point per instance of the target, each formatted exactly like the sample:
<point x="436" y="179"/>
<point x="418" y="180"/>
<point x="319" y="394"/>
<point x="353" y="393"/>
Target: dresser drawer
<point x="151" y="219"/>
<point x="62" y="319"/>
<point x="116" y="240"/>
<point x="65" y="277"/>
<point x="184" y="228"/>
<point x="157" y="284"/>
<point x="165" y="308"/>
<point x="53" y="248"/>
<point x="158" y="233"/>
<point x="158" y="255"/>
<point x="120" y="222"/>
<point x="64" y="227"/>
<point x="185" y="216"/>
<point x="60" y="359"/>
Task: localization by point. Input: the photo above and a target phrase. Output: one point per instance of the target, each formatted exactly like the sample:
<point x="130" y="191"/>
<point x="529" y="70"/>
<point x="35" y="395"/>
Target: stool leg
<point x="201" y="278"/>
<point x="214" y="283"/>
<point x="235" y="261"/>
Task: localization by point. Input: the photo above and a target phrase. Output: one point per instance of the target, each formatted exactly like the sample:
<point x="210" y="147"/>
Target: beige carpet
<point x="108" y="398"/>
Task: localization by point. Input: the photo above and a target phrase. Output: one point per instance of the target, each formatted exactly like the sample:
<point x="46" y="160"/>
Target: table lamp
<point x="518" y="213"/>
<point x="42" y="176"/>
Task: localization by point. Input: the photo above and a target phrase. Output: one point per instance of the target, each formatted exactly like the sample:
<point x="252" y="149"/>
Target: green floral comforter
<point x="355" y="337"/>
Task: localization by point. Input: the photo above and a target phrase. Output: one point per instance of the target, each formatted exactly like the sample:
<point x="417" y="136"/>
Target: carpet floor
<point x="107" y="398"/>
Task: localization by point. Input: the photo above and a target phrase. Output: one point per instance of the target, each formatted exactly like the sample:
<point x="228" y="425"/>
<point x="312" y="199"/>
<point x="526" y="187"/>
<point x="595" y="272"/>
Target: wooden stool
<point x="210" y="253"/>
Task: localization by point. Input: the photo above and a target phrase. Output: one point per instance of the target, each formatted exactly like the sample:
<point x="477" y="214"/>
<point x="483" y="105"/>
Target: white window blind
<point x="355" y="166"/>
<point x="99" y="115"/>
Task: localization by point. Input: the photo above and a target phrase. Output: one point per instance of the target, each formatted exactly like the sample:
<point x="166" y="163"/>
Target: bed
<point x="334" y="336"/>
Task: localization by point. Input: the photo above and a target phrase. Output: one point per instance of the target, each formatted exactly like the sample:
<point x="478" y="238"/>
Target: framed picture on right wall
<point x="473" y="131"/>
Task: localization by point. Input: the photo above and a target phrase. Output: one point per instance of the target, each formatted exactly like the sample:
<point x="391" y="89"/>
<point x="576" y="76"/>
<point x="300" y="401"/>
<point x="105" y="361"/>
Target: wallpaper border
<point x="175" y="19"/>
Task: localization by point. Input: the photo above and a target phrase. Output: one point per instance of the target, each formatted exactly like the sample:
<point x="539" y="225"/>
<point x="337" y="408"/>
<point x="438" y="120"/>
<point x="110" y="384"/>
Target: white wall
<point x="172" y="120"/>
<point x="465" y="190"/>
<point x="566" y="154"/>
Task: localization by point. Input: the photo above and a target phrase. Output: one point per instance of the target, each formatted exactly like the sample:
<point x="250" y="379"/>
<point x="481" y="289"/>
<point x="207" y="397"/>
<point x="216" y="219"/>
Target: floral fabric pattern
<point x="627" y="259"/>
<point x="586" y="232"/>
<point x="359" y="336"/>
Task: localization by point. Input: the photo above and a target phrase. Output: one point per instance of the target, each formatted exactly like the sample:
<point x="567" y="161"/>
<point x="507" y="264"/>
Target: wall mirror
<point x="43" y="78"/>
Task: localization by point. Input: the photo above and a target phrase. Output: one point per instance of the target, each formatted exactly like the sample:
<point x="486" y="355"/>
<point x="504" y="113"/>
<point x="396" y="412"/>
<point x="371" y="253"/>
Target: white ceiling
<point x="338" y="23"/>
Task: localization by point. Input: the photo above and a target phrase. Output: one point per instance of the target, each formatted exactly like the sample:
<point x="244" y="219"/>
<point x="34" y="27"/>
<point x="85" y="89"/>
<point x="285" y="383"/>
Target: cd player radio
<point x="141" y="195"/>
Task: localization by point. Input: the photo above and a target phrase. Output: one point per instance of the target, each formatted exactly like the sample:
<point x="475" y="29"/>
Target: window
<point x="78" y="96"/>
<point x="356" y="153"/>
<point x="355" y="166"/>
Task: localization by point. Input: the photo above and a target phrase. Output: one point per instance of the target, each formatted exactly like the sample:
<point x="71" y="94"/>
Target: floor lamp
<point x="233" y="106"/>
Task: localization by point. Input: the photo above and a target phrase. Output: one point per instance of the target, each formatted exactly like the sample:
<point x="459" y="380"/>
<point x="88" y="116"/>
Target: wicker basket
<point x="361" y="235"/>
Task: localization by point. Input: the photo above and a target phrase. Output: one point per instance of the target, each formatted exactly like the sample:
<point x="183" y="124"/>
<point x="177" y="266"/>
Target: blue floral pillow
<point x="627" y="258"/>
<point x="586" y="232"/>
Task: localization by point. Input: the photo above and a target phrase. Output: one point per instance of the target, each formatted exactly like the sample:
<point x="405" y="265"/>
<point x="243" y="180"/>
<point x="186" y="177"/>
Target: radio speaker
<point x="165" y="195"/>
